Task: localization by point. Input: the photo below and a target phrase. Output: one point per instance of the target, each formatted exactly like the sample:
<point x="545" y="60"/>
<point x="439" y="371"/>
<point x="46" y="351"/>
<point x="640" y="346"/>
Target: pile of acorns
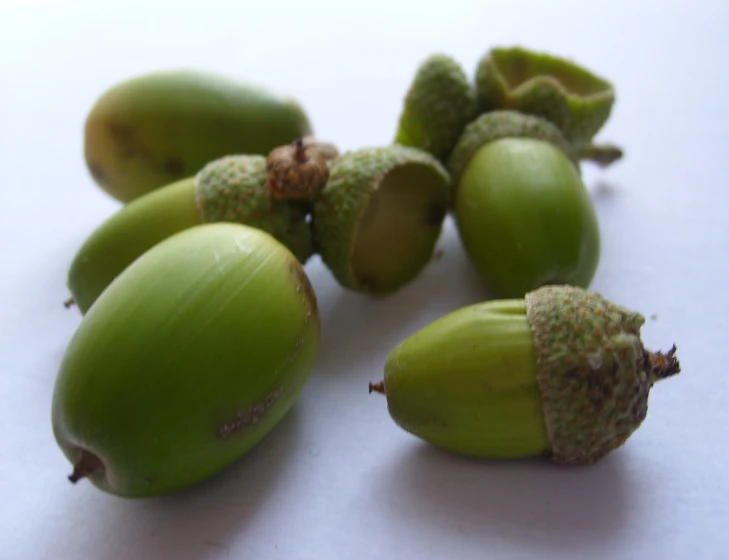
<point x="201" y="327"/>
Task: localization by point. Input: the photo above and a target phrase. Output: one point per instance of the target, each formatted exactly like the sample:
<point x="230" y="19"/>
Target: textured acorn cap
<point x="378" y="219"/>
<point x="233" y="189"/>
<point x="502" y="124"/>
<point x="576" y="100"/>
<point x="594" y="374"/>
<point x="439" y="103"/>
<point x="296" y="171"/>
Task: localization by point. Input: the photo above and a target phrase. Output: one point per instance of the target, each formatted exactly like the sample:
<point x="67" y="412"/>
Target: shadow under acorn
<point x="199" y="522"/>
<point x="603" y="191"/>
<point x="534" y="503"/>
<point x="358" y="328"/>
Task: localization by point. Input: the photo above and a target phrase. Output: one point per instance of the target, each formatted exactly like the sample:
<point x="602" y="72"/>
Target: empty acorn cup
<point x="576" y="100"/>
<point x="379" y="217"/>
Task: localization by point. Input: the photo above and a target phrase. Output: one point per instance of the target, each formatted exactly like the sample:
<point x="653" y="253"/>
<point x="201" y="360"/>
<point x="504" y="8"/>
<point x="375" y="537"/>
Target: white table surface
<point x="337" y="479"/>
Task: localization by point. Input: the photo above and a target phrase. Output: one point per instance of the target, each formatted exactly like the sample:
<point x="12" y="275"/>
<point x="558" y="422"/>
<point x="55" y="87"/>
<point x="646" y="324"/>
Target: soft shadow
<point x="533" y="502"/>
<point x="201" y="521"/>
<point x="356" y="327"/>
<point x="603" y="190"/>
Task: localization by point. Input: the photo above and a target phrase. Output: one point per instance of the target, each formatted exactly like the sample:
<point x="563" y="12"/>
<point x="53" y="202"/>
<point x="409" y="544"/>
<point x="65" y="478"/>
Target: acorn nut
<point x="229" y="189"/>
<point x="379" y="217"/>
<point x="155" y="129"/>
<point x="186" y="362"/>
<point x="560" y="373"/>
<point x="521" y="209"/>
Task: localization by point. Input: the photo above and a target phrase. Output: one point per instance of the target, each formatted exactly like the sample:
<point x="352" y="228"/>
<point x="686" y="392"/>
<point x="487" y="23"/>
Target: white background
<point x="337" y="479"/>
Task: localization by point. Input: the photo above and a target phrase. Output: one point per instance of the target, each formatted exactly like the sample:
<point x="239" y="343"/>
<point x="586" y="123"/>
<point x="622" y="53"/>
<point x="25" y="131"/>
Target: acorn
<point x="439" y="103"/>
<point x="186" y="362"/>
<point x="521" y="209"/>
<point x="560" y="373"/>
<point x="576" y="100"/>
<point x="229" y="189"/>
<point x="379" y="217"/>
<point x="154" y="129"/>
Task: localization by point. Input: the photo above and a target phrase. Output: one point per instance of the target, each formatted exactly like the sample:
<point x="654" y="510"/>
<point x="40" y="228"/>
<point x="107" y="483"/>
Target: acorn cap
<point x="296" y="171"/>
<point x="233" y="189"/>
<point x="594" y="374"/>
<point x="576" y="100"/>
<point x="378" y="219"/>
<point x="502" y="124"/>
<point x="439" y="103"/>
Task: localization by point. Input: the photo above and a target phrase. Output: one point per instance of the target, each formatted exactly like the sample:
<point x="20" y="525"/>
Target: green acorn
<point x="379" y="217"/>
<point x="440" y="102"/>
<point x="560" y="373"/>
<point x="187" y="360"/>
<point x="500" y="124"/>
<point x="522" y="211"/>
<point x="154" y="129"/>
<point x="576" y="100"/>
<point x="229" y="189"/>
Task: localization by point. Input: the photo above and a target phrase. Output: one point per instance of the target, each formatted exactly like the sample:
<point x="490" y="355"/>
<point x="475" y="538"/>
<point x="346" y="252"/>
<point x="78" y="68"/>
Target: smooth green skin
<point x="127" y="234"/>
<point x="154" y="129"/>
<point x="467" y="382"/>
<point x="526" y="219"/>
<point x="204" y="326"/>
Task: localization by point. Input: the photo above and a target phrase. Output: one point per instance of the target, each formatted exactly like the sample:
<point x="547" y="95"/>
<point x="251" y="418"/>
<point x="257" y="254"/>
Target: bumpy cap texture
<point x="295" y="172"/>
<point x="496" y="125"/>
<point x="593" y="371"/>
<point x="233" y="189"/>
<point x="440" y="102"/>
<point x="353" y="178"/>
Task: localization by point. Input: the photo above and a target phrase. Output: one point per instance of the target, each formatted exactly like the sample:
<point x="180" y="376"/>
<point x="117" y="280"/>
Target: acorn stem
<point x="660" y="366"/>
<point x="601" y="154"/>
<point x="295" y="171"/>
<point x="70" y="302"/>
<point x="378" y="387"/>
<point x="87" y="464"/>
<point x="300" y="152"/>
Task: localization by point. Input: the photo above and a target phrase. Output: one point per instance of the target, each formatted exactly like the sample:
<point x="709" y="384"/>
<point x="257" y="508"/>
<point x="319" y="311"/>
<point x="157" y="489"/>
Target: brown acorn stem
<point x="300" y="152"/>
<point x="378" y="387"/>
<point x="660" y="366"/>
<point x="296" y="171"/>
<point x="601" y="154"/>
<point x="70" y="302"/>
<point x="87" y="464"/>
